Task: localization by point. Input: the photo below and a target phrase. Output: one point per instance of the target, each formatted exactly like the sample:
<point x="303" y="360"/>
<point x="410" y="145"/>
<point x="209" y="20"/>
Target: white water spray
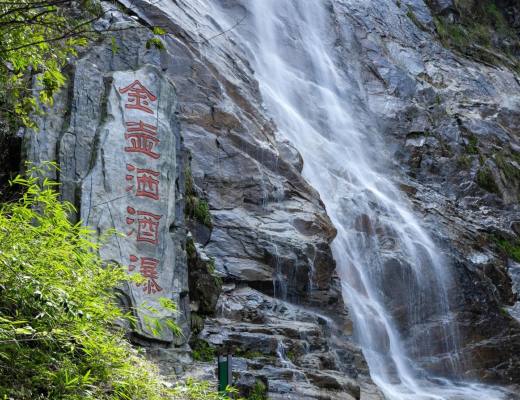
<point x="394" y="279"/>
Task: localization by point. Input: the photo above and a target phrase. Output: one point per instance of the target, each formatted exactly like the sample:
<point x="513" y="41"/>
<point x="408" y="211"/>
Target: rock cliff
<point x="243" y="243"/>
<point x="452" y="122"/>
<point x="242" y="225"/>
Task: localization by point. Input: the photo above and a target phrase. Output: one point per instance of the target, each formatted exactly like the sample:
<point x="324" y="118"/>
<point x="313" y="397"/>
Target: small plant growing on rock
<point x="472" y="146"/>
<point x="259" y="391"/>
<point x="481" y="31"/>
<point x="202" y="351"/>
<point x="201" y="213"/>
<point x="507" y="167"/>
<point x="195" y="207"/>
<point x="156" y="43"/>
<point x="411" y="14"/>
<point x="464" y="162"/>
<point x="486" y="180"/>
<point x="511" y="247"/>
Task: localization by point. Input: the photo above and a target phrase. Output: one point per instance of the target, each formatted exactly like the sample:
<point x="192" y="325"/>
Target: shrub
<point x="202" y="213"/>
<point x="58" y="338"/>
<point x="58" y="311"/>
<point x="195" y="207"/>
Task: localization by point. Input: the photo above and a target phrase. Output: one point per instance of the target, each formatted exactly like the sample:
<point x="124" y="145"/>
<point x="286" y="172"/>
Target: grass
<point x="201" y="212"/>
<point x="249" y="354"/>
<point x="191" y="250"/>
<point x="472" y="146"/>
<point x="155" y="43"/>
<point x="464" y="162"/>
<point x="510" y="171"/>
<point x="486" y="180"/>
<point x="480" y="31"/>
<point x="510" y="247"/>
<point x="195" y="207"/>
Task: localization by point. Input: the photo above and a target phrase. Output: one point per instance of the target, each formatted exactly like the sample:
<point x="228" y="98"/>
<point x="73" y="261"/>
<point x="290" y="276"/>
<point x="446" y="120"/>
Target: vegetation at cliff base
<point x="59" y="334"/>
<point x="58" y="310"/>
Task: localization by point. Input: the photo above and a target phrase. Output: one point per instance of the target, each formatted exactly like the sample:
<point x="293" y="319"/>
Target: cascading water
<point x="394" y="279"/>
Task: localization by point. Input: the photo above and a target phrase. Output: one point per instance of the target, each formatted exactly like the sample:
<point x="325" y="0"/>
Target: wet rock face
<point x="279" y="342"/>
<point x="453" y="125"/>
<point x="452" y="122"/>
<point x="268" y="235"/>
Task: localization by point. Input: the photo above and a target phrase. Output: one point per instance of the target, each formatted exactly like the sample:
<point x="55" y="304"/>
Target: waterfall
<point x="395" y="279"/>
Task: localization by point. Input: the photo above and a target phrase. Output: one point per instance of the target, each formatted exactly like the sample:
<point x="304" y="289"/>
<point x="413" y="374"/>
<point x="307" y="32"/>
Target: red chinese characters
<point x="139" y="97"/>
<point x="147" y="225"/>
<point x="142" y="138"/>
<point x="148" y="270"/>
<point x="145" y="182"/>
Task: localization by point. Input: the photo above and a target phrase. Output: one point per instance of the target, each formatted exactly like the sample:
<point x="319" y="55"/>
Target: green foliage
<point x="291" y="355"/>
<point x="249" y="354"/>
<point x="36" y="39"/>
<point x="201" y="212"/>
<point x="190" y="248"/>
<point x="197" y="323"/>
<point x="503" y="161"/>
<point x="58" y="311"/>
<point x="511" y="247"/>
<point x="211" y="265"/>
<point x="472" y="146"/>
<point x="464" y="162"/>
<point x="58" y="338"/>
<point x="486" y="180"/>
<point x="195" y="207"/>
<point x="253" y="354"/>
<point x="259" y="391"/>
<point x="188" y="178"/>
<point x="481" y="31"/>
<point x="157" y="30"/>
<point x="113" y="45"/>
<point x="202" y="351"/>
<point x="503" y="311"/>
<point x="193" y="390"/>
<point x="155" y="42"/>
